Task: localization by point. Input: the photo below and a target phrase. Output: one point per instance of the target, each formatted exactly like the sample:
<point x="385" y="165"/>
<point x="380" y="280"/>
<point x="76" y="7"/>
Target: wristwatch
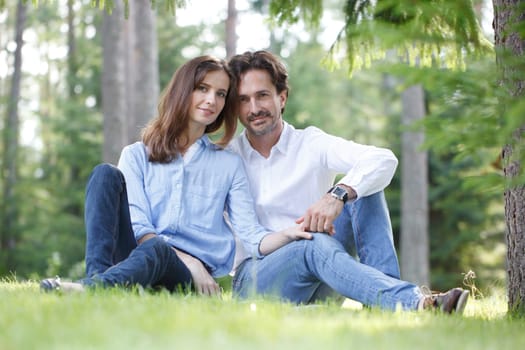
<point x="339" y="192"/>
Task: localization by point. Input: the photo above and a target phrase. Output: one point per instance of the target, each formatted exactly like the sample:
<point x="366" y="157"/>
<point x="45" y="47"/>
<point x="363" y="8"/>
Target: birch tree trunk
<point x="510" y="45"/>
<point x="414" y="241"/>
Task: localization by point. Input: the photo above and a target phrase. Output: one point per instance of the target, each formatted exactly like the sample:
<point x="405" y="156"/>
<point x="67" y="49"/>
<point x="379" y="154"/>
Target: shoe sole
<point x="462" y="302"/>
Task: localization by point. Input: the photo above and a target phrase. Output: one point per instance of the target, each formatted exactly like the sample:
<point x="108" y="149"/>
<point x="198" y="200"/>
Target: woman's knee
<point x="106" y="170"/>
<point x="156" y="244"/>
<point x="105" y="174"/>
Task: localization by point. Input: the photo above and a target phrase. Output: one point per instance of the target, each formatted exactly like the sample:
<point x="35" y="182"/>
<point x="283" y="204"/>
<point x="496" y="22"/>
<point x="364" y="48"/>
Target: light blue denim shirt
<point x="185" y="203"/>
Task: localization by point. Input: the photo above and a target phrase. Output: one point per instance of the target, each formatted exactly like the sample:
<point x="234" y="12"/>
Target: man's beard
<point x="267" y="129"/>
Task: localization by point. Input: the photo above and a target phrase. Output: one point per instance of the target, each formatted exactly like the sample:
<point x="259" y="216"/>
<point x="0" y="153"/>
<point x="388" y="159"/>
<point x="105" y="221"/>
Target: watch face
<point x="340" y="193"/>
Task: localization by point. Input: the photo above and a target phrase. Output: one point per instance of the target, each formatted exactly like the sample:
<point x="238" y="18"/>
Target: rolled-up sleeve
<point x="367" y="169"/>
<point x="132" y="165"/>
<point x="241" y="212"/>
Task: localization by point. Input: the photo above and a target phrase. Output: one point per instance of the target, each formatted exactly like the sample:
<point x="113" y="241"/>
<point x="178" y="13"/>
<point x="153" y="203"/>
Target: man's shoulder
<point x="237" y="145"/>
<point x="308" y="134"/>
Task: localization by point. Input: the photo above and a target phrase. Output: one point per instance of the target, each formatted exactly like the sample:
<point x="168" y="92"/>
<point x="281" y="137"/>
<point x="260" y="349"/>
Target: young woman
<point x="158" y="218"/>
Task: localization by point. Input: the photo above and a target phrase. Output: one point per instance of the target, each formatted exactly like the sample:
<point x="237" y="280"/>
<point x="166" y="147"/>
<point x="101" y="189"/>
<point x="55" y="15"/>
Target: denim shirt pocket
<point x="205" y="207"/>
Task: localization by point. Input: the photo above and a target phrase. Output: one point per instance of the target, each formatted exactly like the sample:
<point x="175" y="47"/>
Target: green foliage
<point x="465" y="179"/>
<point x="331" y="101"/>
<point x="463" y="222"/>
<point x="422" y="32"/>
<point x="118" y="319"/>
<point x="108" y="5"/>
<point x="292" y="11"/>
<point x="176" y="44"/>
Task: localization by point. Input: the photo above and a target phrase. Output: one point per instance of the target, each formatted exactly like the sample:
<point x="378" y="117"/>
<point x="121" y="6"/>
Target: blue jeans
<point x="112" y="255"/>
<point x="303" y="271"/>
<point x="364" y="229"/>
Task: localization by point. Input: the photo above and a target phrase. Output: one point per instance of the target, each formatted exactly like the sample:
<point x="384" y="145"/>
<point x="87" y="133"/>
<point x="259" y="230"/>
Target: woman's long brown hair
<point x="163" y="134"/>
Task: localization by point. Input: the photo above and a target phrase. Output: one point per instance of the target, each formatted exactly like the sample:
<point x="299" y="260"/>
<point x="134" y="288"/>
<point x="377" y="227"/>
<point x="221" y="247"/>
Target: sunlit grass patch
<point x="122" y="319"/>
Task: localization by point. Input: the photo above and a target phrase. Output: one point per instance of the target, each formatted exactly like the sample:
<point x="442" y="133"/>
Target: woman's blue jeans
<point x="112" y="255"/>
<point x="302" y="271"/>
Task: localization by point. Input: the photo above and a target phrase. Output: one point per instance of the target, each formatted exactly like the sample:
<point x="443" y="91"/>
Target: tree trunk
<point x="414" y="239"/>
<point x="143" y="68"/>
<point x="231" y="33"/>
<point x="8" y="230"/>
<point x="508" y="14"/>
<point x="73" y="207"/>
<point x="130" y="84"/>
<point x="114" y="102"/>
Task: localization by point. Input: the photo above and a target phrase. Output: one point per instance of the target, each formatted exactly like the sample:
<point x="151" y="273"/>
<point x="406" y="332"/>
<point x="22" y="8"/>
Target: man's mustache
<point x="259" y="114"/>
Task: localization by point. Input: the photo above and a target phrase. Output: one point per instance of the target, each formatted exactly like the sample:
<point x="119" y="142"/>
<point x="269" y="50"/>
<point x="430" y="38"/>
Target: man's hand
<point x="321" y="215"/>
<point x="202" y="280"/>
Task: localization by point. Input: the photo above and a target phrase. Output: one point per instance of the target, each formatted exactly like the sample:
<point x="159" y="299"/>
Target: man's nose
<point x="254" y="106"/>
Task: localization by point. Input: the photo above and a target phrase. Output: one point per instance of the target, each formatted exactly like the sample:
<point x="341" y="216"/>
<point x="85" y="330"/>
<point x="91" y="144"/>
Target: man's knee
<point x="322" y="241"/>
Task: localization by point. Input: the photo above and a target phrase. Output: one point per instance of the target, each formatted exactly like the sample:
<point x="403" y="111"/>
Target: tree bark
<point x="8" y="231"/>
<point x="231" y="30"/>
<point x="510" y="46"/>
<point x="143" y="68"/>
<point x="114" y="102"/>
<point x="414" y="239"/>
<point x="130" y="84"/>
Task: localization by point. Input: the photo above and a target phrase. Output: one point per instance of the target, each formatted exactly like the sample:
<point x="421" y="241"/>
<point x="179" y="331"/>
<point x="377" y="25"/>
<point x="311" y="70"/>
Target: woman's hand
<point x="202" y="280"/>
<point x="276" y="240"/>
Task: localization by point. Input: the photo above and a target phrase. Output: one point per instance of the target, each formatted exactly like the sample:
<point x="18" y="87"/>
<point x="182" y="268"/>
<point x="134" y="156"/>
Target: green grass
<point x="118" y="319"/>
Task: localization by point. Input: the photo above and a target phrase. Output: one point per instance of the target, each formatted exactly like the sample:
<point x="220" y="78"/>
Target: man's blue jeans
<point x="302" y="270"/>
<point x="112" y="255"/>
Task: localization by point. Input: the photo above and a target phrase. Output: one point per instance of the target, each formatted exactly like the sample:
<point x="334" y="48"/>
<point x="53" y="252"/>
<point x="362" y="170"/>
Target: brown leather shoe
<point x="451" y="301"/>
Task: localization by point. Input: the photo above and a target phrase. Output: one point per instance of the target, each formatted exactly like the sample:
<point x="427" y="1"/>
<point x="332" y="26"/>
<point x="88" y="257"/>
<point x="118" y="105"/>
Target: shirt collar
<point x="204" y="141"/>
<point x="281" y="146"/>
<point x="284" y="139"/>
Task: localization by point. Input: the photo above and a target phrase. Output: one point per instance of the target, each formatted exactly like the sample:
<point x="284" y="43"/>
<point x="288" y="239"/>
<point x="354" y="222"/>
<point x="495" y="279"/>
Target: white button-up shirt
<point x="303" y="165"/>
